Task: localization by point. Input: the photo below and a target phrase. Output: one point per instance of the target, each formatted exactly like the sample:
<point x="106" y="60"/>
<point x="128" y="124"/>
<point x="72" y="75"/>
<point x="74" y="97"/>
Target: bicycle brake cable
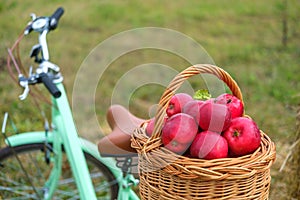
<point x="19" y="68"/>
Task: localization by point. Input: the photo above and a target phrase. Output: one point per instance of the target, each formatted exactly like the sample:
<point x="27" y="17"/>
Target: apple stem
<point x="236" y="133"/>
<point x="174" y="143"/>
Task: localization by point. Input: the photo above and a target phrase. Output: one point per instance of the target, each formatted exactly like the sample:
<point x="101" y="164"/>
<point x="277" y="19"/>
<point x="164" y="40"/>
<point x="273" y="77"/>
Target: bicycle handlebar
<point x="47" y="72"/>
<point x="44" y="78"/>
<point x="55" y="18"/>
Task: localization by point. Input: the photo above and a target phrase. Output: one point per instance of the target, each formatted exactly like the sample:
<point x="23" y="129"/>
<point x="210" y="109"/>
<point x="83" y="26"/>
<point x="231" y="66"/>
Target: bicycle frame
<point x="64" y="133"/>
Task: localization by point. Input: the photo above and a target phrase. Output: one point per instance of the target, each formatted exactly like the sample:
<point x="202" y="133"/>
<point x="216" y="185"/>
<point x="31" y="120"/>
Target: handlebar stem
<point x="43" y="43"/>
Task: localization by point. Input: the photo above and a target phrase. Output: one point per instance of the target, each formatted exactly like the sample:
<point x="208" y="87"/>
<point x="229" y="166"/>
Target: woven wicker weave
<point x="166" y="175"/>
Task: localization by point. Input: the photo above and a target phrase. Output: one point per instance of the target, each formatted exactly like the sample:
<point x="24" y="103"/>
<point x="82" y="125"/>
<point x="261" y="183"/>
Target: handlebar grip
<point x="44" y="78"/>
<point x="55" y="18"/>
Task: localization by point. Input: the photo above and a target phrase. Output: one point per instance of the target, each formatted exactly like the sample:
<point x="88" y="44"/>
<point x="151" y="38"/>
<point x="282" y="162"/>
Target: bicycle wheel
<point x="14" y="183"/>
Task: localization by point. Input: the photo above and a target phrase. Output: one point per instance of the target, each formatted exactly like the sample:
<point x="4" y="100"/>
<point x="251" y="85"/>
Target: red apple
<point x="177" y="102"/>
<point x="243" y="136"/>
<point x="234" y="104"/>
<point x="192" y="108"/>
<point x="178" y="132"/>
<point x="209" y="145"/>
<point x="151" y="124"/>
<point x="214" y="117"/>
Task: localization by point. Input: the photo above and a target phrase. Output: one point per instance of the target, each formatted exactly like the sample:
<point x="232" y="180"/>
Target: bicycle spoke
<point x="64" y="194"/>
<point x="8" y="180"/>
<point x="38" y="169"/>
<point x="17" y="191"/>
<point x="18" y="188"/>
<point x="34" y="168"/>
<point x="15" y="185"/>
<point x="22" y="166"/>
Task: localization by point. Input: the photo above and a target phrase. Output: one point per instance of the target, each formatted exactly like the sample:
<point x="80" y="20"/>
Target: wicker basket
<point x="166" y="175"/>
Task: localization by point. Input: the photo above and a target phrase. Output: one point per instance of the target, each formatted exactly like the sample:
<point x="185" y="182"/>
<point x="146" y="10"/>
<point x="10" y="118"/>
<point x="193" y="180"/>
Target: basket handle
<point x="177" y="82"/>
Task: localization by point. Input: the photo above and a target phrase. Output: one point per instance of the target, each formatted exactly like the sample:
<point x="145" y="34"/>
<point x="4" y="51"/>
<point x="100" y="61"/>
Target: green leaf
<point x="202" y="94"/>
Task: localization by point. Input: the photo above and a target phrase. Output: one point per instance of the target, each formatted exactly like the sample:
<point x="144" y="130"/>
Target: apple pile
<point x="210" y="128"/>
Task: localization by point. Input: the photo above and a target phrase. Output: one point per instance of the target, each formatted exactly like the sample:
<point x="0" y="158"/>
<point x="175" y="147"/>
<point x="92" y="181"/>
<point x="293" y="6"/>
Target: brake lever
<point x="23" y="83"/>
<point x="24" y="94"/>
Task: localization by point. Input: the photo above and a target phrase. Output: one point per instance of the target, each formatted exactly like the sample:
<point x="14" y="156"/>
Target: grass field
<point x="243" y="37"/>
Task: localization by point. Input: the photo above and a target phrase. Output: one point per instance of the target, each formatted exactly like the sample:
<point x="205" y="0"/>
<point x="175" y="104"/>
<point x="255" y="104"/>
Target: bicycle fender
<point x="28" y="138"/>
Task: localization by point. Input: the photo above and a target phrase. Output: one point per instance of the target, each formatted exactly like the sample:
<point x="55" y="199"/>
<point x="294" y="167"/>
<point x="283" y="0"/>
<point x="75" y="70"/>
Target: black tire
<point x="15" y="185"/>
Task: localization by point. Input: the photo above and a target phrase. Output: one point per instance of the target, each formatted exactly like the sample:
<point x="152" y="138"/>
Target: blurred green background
<point x="257" y="42"/>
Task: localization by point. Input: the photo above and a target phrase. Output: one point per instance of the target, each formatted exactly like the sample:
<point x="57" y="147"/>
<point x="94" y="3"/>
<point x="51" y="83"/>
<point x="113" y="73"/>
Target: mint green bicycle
<point x="56" y="163"/>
